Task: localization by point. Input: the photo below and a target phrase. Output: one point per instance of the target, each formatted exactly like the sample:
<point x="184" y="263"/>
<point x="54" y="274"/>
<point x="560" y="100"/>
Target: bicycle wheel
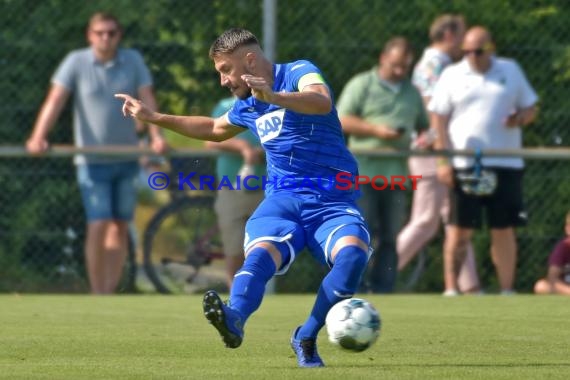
<point x="178" y="240"/>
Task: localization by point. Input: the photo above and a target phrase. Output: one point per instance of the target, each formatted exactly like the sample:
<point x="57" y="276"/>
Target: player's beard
<point x="246" y="95"/>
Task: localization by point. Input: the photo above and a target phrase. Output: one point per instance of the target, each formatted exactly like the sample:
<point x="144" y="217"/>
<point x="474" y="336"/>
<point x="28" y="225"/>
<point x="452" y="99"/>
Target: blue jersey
<point x="304" y="152"/>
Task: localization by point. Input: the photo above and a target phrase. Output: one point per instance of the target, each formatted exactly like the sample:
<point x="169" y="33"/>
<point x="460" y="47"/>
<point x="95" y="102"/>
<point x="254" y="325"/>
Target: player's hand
<point x="445" y="175"/>
<point x="260" y="89"/>
<point x="386" y="133"/>
<point x="135" y="108"/>
<point x="37" y="145"/>
<point x="514" y="120"/>
<point x="425" y="140"/>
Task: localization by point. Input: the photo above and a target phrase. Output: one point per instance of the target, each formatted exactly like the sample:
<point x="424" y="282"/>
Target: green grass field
<point x="158" y="337"/>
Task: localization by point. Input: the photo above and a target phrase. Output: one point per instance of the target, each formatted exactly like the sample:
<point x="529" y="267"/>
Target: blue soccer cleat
<point x="224" y="319"/>
<point x="306" y="351"/>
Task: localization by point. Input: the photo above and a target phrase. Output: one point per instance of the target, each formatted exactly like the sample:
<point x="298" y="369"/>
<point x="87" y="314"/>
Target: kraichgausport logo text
<point x="341" y="181"/>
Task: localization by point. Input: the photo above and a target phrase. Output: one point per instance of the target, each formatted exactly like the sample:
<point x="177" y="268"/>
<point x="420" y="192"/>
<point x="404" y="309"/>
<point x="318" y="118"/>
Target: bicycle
<point x="183" y="235"/>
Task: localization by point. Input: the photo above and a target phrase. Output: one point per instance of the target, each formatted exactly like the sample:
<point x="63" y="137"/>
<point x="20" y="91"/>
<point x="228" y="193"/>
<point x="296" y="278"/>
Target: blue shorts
<point x="302" y="221"/>
<point x="108" y="190"/>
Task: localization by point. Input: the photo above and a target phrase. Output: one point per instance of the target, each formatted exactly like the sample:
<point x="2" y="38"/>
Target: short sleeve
<point x="143" y="75"/>
<point x="302" y="73"/>
<point x="65" y="75"/>
<point x="440" y="102"/>
<point x="526" y="96"/>
<point x="559" y="253"/>
<point x="350" y="100"/>
<point x="426" y="75"/>
<point x="234" y="117"/>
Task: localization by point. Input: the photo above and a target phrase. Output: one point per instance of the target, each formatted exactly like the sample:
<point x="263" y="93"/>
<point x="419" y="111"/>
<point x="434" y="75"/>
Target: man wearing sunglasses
<point x="93" y="75"/>
<point x="481" y="103"/>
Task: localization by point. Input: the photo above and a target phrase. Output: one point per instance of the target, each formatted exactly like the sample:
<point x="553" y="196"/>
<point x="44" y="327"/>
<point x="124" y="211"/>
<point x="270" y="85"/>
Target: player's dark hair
<point x="232" y="39"/>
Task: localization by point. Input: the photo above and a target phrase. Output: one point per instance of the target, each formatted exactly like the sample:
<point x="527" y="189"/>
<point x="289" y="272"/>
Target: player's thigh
<point x="276" y="220"/>
<point x="124" y="189"/>
<point x="95" y="185"/>
<point x="505" y="208"/>
<point x="343" y="220"/>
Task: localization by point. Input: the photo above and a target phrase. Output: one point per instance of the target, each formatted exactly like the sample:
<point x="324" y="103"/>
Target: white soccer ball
<point x="353" y="324"/>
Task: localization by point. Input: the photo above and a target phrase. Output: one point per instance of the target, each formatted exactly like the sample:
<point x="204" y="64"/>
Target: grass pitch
<point x="159" y="337"/>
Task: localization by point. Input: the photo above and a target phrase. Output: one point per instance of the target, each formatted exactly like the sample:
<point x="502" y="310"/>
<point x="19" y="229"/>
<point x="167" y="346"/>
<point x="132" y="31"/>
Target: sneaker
<point x="224" y="319"/>
<point x="451" y="293"/>
<point x="306" y="351"/>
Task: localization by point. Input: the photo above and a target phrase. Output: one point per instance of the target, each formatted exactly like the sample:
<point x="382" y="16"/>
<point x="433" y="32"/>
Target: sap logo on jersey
<point x="269" y="125"/>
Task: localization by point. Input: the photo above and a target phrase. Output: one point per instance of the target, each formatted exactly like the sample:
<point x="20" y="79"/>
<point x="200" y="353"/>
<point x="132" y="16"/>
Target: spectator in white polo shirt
<point x="481" y="103"/>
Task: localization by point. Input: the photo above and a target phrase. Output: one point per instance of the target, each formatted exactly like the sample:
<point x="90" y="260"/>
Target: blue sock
<point x="340" y="283"/>
<point x="249" y="282"/>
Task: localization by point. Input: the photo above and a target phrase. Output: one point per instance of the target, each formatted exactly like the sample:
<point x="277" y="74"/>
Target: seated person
<point x="557" y="280"/>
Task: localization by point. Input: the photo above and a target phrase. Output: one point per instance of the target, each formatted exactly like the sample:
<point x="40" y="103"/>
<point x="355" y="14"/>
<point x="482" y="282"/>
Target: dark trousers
<point x="385" y="212"/>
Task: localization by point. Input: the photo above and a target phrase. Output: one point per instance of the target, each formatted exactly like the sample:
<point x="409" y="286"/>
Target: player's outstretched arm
<point x="197" y="127"/>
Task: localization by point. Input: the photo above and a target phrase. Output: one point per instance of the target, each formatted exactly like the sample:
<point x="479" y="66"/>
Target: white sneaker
<point x="451" y="293"/>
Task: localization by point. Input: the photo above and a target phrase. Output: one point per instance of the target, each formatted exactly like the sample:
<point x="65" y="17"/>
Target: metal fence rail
<point x="41" y="223"/>
<point x="540" y="153"/>
<point x="41" y="219"/>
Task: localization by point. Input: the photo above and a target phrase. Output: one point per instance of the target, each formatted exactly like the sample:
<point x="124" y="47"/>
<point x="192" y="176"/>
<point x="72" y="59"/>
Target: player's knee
<point x="349" y="235"/>
<point x="352" y="256"/>
<point x="429" y="229"/>
<point x="279" y="252"/>
<point x="542" y="287"/>
<point x="260" y="262"/>
<point x="462" y="244"/>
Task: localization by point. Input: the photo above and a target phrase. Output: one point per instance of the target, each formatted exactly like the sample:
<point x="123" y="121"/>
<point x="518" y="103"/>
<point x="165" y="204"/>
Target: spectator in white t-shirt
<point x="481" y="103"/>
<point x="430" y="203"/>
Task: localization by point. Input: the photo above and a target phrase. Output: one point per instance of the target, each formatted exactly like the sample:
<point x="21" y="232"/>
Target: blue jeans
<point x="108" y="190"/>
<point x="385" y="212"/>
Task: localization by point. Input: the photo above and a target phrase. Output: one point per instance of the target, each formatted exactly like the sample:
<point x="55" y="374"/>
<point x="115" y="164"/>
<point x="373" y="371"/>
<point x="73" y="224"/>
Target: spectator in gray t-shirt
<point x="92" y="76"/>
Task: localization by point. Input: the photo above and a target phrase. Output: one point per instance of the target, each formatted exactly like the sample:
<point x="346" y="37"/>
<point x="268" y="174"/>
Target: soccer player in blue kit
<point x="290" y="108"/>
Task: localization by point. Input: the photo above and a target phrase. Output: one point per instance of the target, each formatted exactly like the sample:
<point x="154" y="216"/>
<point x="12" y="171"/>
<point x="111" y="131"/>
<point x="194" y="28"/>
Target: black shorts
<point x="504" y="208"/>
